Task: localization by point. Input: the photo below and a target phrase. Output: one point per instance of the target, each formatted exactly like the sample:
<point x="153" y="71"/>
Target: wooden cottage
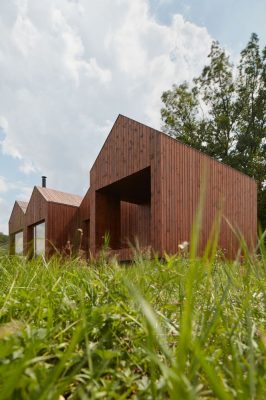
<point x="146" y="185"/>
<point x="16" y="228"/>
<point x="144" y="188"/>
<point x="50" y="221"/>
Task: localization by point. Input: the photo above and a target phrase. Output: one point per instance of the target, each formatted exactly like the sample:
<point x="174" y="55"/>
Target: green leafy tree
<point x="224" y="113"/>
<point x="3" y="243"/>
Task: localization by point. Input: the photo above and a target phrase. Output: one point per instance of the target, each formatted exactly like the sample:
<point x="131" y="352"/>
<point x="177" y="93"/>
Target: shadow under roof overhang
<point x="135" y="188"/>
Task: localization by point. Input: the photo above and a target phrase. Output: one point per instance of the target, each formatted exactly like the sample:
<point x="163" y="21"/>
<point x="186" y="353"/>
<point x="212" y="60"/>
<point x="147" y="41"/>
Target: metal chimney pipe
<point x="44" y="181"/>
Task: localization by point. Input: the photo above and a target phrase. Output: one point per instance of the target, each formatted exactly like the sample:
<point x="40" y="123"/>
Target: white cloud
<point x="27" y="167"/>
<point x="24" y="193"/>
<point x="3" y="124"/>
<point x="17" y="186"/>
<point x="74" y="52"/>
<point x="4" y="210"/>
<point x="24" y="35"/>
<point x="69" y="67"/>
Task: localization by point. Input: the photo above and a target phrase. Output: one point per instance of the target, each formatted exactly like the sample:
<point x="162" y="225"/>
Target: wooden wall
<point x="16" y="221"/>
<point x="16" y="224"/>
<point x="135" y="224"/>
<point x="37" y="208"/>
<point x="164" y="218"/>
<point x="61" y="223"/>
<point x="134" y="219"/>
<point x="36" y="213"/>
<point x="107" y="213"/>
<point x="84" y="208"/>
<point x="227" y="190"/>
<point x="126" y="150"/>
<point x="84" y="222"/>
<point x="176" y="182"/>
<point x="129" y="148"/>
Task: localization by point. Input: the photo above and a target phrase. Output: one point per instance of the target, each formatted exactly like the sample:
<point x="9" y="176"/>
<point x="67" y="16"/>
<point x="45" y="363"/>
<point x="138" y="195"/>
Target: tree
<point x="224" y="113"/>
<point x="3" y="243"/>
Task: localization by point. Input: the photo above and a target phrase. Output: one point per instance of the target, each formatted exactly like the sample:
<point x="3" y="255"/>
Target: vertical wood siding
<point x="16" y="224"/>
<point x="17" y="218"/>
<point x="37" y="208"/>
<point x="107" y="215"/>
<point x="177" y="174"/>
<point x="37" y="211"/>
<point x="126" y="151"/>
<point x="84" y="208"/>
<point x="62" y="225"/>
<point x="135" y="224"/>
<point x="84" y="222"/>
<point x="227" y="190"/>
<point x="163" y="221"/>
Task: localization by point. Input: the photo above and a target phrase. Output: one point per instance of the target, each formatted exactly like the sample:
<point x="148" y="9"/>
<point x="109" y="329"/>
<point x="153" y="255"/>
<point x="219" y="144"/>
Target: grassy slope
<point x="87" y="332"/>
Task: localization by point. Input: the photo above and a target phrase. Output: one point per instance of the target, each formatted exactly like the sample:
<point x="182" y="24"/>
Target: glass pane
<point x="39" y="239"/>
<point x="19" y="243"/>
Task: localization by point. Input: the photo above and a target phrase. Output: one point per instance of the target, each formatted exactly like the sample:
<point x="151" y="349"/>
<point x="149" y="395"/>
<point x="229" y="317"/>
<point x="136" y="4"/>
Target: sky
<point x="69" y="67"/>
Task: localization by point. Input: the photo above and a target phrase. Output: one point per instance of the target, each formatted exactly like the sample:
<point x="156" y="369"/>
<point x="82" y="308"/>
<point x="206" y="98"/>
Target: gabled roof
<point x="55" y="196"/>
<point x="23" y="205"/>
<point x="122" y="119"/>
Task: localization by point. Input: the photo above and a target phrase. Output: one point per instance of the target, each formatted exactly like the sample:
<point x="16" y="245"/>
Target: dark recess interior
<point x="134" y="189"/>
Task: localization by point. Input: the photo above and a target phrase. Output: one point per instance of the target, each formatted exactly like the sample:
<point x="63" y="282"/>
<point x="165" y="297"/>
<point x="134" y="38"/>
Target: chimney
<point x="44" y="181"/>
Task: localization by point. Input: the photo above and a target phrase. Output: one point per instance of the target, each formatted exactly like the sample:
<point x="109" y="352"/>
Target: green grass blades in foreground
<point x="177" y="330"/>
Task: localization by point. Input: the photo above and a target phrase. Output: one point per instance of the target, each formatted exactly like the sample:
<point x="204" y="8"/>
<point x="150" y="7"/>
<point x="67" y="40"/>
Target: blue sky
<point x="68" y="67"/>
<point x="229" y="21"/>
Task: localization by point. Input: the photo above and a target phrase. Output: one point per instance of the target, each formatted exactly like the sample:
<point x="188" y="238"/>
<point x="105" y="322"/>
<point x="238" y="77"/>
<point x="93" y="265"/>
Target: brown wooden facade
<point x="16" y="223"/>
<point x="145" y="188"/>
<point x="84" y="222"/>
<point x="147" y="185"/>
<point x="59" y="212"/>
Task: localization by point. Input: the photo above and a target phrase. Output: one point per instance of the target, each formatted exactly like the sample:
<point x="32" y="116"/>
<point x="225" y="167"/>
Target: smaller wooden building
<point x="16" y="227"/>
<point x="49" y="222"/>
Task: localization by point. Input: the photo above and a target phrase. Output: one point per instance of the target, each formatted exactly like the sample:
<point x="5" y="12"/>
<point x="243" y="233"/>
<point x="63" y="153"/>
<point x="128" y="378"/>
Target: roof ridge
<point x="59" y="191"/>
<point x="23" y="205"/>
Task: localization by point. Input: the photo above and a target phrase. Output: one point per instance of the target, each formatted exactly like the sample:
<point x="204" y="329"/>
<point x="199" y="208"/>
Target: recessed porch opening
<point x="123" y="211"/>
<point x="36" y="242"/>
<point x="18" y="239"/>
<point x="16" y="243"/>
<point x="39" y="239"/>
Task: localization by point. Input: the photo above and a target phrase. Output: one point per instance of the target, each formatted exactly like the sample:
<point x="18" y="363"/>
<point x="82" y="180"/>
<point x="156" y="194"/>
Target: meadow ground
<point x="179" y="329"/>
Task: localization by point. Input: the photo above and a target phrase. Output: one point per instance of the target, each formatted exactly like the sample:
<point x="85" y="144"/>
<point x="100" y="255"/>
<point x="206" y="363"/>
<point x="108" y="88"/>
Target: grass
<point x="178" y="329"/>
